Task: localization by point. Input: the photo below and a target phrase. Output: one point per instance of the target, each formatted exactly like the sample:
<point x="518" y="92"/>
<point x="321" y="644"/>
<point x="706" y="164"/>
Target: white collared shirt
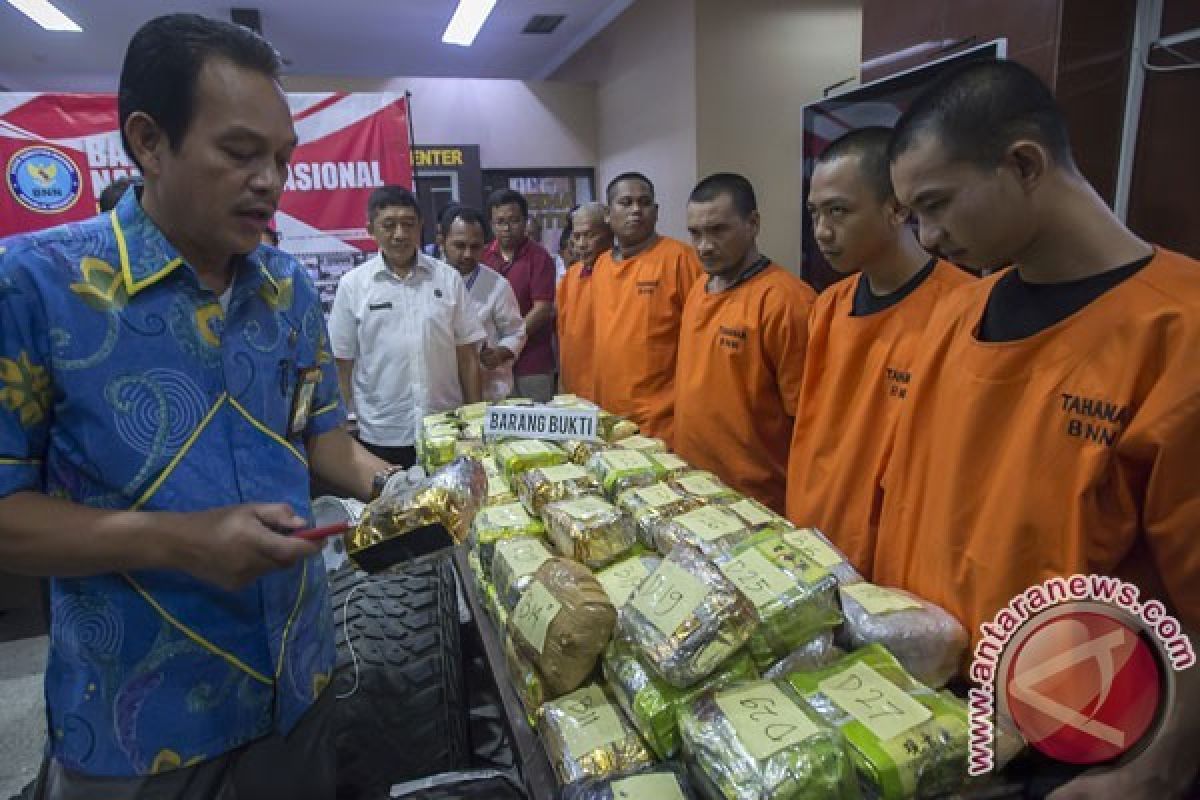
<point x="401" y="334"/>
<point x="496" y="304"/>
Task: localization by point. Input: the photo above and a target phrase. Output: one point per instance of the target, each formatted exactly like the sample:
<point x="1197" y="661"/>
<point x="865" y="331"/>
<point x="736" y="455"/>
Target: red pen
<point x="316" y="534"/>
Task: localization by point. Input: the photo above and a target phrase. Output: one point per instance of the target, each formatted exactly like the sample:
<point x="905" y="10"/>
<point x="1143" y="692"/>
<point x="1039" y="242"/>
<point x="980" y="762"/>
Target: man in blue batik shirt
<point x="166" y="387"/>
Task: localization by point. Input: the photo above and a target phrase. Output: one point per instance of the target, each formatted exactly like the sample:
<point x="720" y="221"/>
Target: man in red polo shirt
<point x="530" y="270"/>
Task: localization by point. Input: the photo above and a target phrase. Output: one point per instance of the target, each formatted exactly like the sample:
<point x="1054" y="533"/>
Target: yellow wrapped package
<point x="518" y="455"/>
<point x="515" y="562"/>
<point x="614" y="428"/>
<point x="618" y="470"/>
<point x="587" y="737"/>
<point x="709" y="529"/>
<point x="542" y="485"/>
<point x="580" y="451"/>
<point x="495" y="523"/>
<point x="649" y="505"/>
<point x="822" y="552"/>
<point x="562" y="624"/>
<point x="671" y="465"/>
<point x="643" y="444"/>
<point x="590" y="530"/>
<point x="706" y="486"/>
<point x="687" y="618"/>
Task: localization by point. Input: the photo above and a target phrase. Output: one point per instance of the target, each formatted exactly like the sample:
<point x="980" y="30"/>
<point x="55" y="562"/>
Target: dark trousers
<point x="398" y="456"/>
<point x="299" y="766"/>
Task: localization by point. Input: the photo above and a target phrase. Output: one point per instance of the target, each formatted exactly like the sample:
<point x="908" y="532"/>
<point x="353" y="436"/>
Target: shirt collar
<point x="147" y="257"/>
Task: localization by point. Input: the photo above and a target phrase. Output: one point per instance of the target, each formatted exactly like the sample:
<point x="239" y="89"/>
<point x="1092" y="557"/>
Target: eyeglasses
<point x="507" y="224"/>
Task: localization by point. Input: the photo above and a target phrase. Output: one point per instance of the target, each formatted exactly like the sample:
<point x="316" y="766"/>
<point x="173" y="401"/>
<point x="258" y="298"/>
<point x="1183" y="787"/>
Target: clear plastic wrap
<point x="590" y="530"/>
<point x="817" y="653"/>
<point x="794" y="598"/>
<point x="643" y="444"/>
<point x="926" y="639"/>
<point x="518" y="455"/>
<point x="473" y="412"/>
<point x="686" y="619"/>
<point x="906" y="740"/>
<point x="541" y="485"/>
<point x="622" y="579"/>
<point x="513" y="566"/>
<point x="614" y="428"/>
<point x="652" y="704"/>
<point x="562" y="624"/>
<point x="757" y="516"/>
<point x="650" y="505"/>
<point x="579" y="451"/>
<point x="526" y="682"/>
<point x="762" y="741"/>
<point x="666" y="781"/>
<point x="706" y="486"/>
<point x="494" y="523"/>
<point x="672" y="465"/>
<point x="586" y="737"/>
<point x="819" y="549"/>
<point x="618" y="470"/>
<point x="710" y="529"/>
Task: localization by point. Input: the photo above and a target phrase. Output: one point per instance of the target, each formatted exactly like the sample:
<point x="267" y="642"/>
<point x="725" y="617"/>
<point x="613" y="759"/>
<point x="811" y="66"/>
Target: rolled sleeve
<point x="343" y="320"/>
<point x="509" y="323"/>
<point x="25" y="388"/>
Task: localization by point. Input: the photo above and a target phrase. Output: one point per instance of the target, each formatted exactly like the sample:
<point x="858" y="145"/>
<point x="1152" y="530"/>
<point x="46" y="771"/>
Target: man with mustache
<point x="166" y="388"/>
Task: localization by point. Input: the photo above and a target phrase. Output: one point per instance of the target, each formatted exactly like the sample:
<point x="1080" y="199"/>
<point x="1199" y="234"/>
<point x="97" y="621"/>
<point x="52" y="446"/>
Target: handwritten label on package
<point x="622" y="580"/>
<point x="876" y="702"/>
<point x="878" y="600"/>
<point x="709" y="523"/>
<point x="813" y="547"/>
<point x="534" y="613"/>
<point x="589" y="721"/>
<point x="765" y="719"/>
<point x="669" y="596"/>
<point x="757" y="578"/>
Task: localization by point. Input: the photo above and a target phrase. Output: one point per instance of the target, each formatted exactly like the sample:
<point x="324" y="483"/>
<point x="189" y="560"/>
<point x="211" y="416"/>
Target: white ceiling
<point x="367" y="38"/>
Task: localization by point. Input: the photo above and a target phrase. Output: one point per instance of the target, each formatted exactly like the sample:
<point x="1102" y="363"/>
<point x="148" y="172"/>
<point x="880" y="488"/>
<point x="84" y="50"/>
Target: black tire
<point x="405" y="716"/>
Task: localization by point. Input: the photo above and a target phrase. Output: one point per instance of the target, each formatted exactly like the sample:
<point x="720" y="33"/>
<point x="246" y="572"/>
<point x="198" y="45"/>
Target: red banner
<point x="59" y="151"/>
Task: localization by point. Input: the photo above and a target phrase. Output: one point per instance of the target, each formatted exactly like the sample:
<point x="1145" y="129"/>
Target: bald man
<point x="590" y="237"/>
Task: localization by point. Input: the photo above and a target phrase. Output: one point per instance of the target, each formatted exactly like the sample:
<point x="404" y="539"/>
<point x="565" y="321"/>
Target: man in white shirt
<point x="464" y="235"/>
<point x="403" y="333"/>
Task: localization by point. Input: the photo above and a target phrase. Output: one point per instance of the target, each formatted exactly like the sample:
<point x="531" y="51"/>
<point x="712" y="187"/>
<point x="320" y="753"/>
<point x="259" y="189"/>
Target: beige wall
<point x="759" y="62"/>
<point x="515" y="123"/>
<point x="643" y="66"/>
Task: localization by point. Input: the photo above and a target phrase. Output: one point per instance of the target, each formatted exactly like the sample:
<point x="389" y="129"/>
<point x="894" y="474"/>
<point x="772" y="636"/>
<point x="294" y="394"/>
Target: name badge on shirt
<point x="307" y="379"/>
<point x="380" y="307"/>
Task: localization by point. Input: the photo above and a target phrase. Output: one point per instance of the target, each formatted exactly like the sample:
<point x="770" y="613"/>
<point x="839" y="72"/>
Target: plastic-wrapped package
<point x="570" y="401"/>
<point x="643" y="444"/>
<point x="519" y="455"/>
<point x="541" y="485"/>
<point x="762" y="741"/>
<point x="618" y="470"/>
<point x="672" y="466"/>
<point x="906" y="740"/>
<point x="709" y="529"/>
<point x="562" y="624"/>
<point x="614" y="428"/>
<point x="757" y="516"/>
<point x="794" y="598"/>
<point x="499" y="491"/>
<point x="586" y="737"/>
<point x="579" y="451"/>
<point x="473" y="412"/>
<point x="819" y="549"/>
<point x="652" y="704"/>
<point x="666" y="781"/>
<point x="686" y="619"/>
<point x="470" y="447"/>
<point x="437" y="445"/>
<point x="513" y="566"/>
<point x="926" y="639"/>
<point x="494" y="523"/>
<point x="412" y="519"/>
<point x="649" y="505"/>
<point x="622" y="579"/>
<point x="817" y="653"/>
<point x="491" y="603"/>
<point x="706" y="486"/>
<point x="526" y="682"/>
<point x="590" y="530"/>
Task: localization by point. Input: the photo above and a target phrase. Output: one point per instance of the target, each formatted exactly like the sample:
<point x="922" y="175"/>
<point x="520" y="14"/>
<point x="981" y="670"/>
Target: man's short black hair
<point x="870" y="146"/>
<point x="736" y="186"/>
<point x="390" y="196"/>
<point x="112" y="194"/>
<point x="628" y="176"/>
<point x="165" y="57"/>
<point x="471" y="216"/>
<point x="504" y="197"/>
<point x="978" y="110"/>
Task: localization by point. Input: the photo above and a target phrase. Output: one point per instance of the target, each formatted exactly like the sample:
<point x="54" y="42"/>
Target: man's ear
<point x="896" y="213"/>
<point x="755" y="221"/>
<point x="147" y="141"/>
<point x="1028" y="161"/>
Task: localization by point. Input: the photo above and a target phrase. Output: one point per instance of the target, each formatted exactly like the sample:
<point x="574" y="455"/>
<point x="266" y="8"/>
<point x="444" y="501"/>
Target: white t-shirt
<point x="401" y="334"/>
<point x="494" y="301"/>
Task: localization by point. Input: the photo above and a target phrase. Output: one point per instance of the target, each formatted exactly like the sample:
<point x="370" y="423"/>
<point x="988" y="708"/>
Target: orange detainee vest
<point x="741" y="359"/>
<point x="637" y="305"/>
<point x="1075" y="450"/>
<point x="857" y="373"/>
<point x="574" y="325"/>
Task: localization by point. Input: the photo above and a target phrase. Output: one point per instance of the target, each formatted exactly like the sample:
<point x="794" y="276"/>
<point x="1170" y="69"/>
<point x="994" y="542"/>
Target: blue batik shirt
<point x="123" y="385"/>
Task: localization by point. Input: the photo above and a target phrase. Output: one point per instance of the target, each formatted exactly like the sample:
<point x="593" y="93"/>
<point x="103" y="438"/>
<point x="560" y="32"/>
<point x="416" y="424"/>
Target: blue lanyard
<point x="471" y="279"/>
